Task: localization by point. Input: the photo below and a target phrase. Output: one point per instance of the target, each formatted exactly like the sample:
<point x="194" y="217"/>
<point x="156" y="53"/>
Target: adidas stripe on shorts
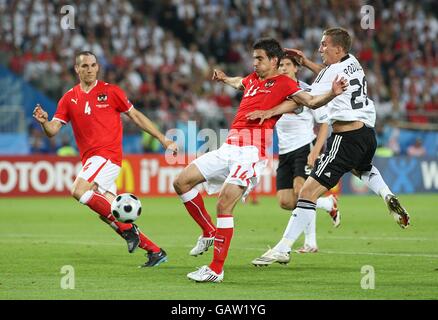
<point x="345" y="151"/>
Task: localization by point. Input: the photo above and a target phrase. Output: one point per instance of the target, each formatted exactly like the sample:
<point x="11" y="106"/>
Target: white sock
<point x="325" y="203"/>
<point x="374" y="180"/>
<point x="301" y="217"/>
<point x="189" y="195"/>
<point x="310" y="233"/>
<point x="86" y="196"/>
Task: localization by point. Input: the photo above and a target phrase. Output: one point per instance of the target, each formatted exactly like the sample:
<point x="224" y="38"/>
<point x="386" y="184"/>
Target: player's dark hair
<point x="340" y="37"/>
<point x="293" y="59"/>
<point x="272" y="48"/>
<point x="83" y="53"/>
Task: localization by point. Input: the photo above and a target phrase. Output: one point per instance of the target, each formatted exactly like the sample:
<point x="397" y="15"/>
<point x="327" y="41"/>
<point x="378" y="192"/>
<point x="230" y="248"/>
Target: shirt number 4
<point x="87" y="109"/>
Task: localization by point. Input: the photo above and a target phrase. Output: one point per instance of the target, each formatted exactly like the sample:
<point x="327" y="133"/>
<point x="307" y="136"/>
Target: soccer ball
<point x="126" y="207"/>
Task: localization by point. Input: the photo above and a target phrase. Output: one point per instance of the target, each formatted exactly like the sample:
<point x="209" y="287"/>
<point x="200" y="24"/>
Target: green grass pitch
<point x="40" y="236"/>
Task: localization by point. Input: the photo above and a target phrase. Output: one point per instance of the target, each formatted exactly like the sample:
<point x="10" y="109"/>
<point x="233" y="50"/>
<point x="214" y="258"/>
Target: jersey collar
<point x="95" y="84"/>
<point x="345" y="57"/>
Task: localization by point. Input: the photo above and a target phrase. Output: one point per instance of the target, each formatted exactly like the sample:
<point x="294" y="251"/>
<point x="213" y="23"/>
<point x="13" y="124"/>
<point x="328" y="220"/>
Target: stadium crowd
<point x="162" y="52"/>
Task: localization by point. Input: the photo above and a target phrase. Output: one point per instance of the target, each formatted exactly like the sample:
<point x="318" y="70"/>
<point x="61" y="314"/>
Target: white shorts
<point x="101" y="171"/>
<point x="231" y="164"/>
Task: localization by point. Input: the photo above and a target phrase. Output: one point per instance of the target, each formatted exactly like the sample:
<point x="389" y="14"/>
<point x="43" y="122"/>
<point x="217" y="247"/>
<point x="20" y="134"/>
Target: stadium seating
<point x="161" y="53"/>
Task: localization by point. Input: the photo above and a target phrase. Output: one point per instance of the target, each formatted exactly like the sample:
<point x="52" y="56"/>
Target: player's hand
<point x="218" y="75"/>
<point x="39" y="114"/>
<point x="339" y="85"/>
<point x="311" y="158"/>
<point x="172" y="146"/>
<point x="259" y="114"/>
<point x="298" y="54"/>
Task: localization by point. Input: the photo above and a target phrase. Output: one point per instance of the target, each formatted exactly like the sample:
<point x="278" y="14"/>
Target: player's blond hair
<point x="340" y="37"/>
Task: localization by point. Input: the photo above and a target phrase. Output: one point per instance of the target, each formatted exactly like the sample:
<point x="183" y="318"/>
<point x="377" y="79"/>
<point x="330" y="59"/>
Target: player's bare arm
<point x="145" y="124"/>
<point x="50" y="128"/>
<point x="339" y="85"/>
<point x="320" y="140"/>
<point x="304" y="61"/>
<point x="235" y="82"/>
<point x="286" y="106"/>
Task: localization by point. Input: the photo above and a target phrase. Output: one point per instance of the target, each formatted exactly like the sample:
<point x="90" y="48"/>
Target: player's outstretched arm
<point x="50" y="128"/>
<point x="286" y="106"/>
<point x="145" y="124"/>
<point x="235" y="82"/>
<point x="339" y="85"/>
<point x="304" y="61"/>
<point x="320" y="140"/>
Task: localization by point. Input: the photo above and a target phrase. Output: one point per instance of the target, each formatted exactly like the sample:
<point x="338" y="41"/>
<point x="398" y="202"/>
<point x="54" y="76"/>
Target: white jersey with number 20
<point x="353" y="104"/>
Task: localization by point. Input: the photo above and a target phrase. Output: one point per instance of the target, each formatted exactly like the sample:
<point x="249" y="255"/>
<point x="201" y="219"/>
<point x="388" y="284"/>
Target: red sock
<point x="98" y="203"/>
<point x="147" y="244"/>
<point x="224" y="233"/>
<point x="195" y="206"/>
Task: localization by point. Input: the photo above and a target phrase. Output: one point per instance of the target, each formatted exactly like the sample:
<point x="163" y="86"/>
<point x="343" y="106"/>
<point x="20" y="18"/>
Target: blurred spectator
<point x="150" y="144"/>
<point x="383" y="136"/>
<point x="162" y="52"/>
<point x="417" y="149"/>
<point x="38" y="142"/>
<point x="66" y="150"/>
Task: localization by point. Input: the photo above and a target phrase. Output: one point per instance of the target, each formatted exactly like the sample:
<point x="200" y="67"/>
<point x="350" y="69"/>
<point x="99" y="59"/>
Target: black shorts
<point x="292" y="164"/>
<point x="345" y="151"/>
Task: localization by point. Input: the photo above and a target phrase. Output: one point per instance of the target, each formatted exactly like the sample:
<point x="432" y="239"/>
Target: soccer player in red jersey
<point x="234" y="169"/>
<point x="94" y="109"/>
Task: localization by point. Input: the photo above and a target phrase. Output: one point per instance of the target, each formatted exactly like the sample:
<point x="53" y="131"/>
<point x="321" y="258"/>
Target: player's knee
<point x="223" y="206"/>
<point x="76" y="192"/>
<point x="179" y="185"/>
<point x="220" y="206"/>
<point x="286" y="200"/>
<point x="287" y="203"/>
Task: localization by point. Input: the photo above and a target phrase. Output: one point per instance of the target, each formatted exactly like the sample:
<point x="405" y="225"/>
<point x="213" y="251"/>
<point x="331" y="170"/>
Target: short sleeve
<point x="61" y="113"/>
<point x="320" y="115"/>
<point x="292" y="88"/>
<point x="122" y="104"/>
<point x="247" y="79"/>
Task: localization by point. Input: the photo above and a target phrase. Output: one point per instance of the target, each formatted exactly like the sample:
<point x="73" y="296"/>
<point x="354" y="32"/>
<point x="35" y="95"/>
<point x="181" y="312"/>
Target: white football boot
<point x="201" y="246"/>
<point x="205" y="274"/>
<point x="271" y="256"/>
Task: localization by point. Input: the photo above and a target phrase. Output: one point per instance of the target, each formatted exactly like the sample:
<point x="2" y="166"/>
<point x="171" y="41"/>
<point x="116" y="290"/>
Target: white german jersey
<point x="353" y="104"/>
<point x="295" y="130"/>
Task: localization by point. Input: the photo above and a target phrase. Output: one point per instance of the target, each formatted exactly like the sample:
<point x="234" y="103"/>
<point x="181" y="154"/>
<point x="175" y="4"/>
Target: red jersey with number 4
<point x="95" y="119"/>
<point x="259" y="95"/>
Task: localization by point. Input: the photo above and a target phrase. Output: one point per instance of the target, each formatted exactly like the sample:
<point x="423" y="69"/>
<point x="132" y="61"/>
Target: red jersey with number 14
<point x="95" y="119"/>
<point x="259" y="95"/>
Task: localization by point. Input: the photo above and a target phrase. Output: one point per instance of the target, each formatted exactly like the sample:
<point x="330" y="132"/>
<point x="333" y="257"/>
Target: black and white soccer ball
<point x="126" y="208"/>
